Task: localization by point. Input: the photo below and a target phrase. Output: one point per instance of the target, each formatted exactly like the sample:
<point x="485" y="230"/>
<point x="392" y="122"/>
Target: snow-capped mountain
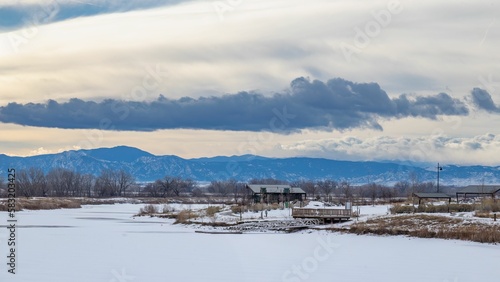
<point x="148" y="167"/>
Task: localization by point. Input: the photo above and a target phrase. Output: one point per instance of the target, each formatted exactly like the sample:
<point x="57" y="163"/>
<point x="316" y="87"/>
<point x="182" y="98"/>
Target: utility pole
<point x="438" y="169"/>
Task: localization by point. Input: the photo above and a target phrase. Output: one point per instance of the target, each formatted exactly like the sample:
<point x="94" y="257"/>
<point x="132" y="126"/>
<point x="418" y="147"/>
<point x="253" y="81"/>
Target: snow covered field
<point x="106" y="243"/>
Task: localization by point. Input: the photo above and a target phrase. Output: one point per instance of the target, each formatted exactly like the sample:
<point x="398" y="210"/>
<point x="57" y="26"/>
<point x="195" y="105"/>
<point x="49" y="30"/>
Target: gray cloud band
<point x="482" y="100"/>
<point x="337" y="104"/>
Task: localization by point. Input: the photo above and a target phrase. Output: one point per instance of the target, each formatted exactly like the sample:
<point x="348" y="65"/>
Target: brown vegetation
<point x="485" y="206"/>
<point x="184" y="216"/>
<point x="148" y="210"/>
<point x="211" y="211"/>
<point x="428" y="226"/>
<point x="43" y="204"/>
<point x="397" y="209"/>
<point x="238" y="209"/>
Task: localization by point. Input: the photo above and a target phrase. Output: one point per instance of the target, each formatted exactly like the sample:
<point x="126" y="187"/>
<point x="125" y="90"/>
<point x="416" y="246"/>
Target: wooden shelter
<point x="479" y="191"/>
<point x="271" y="193"/>
<point x="439" y="196"/>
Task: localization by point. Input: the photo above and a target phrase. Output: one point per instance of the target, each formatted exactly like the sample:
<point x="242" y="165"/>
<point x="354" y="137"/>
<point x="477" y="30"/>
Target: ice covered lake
<point x="106" y="243"/>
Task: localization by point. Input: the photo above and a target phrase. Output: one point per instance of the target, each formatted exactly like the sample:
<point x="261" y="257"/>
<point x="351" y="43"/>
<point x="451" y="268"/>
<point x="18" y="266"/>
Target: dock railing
<point x="321" y="213"/>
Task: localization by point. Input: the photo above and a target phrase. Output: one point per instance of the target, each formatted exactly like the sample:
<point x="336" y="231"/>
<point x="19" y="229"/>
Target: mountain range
<point x="148" y="167"/>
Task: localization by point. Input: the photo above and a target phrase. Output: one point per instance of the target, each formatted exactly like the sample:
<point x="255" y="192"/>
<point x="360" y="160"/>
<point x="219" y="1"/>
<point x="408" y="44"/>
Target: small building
<point x="479" y="191"/>
<point x="272" y="193"/>
<point x="437" y="196"/>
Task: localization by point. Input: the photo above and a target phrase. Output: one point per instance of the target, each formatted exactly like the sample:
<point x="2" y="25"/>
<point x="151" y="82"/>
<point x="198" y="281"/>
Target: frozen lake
<point x="105" y="243"/>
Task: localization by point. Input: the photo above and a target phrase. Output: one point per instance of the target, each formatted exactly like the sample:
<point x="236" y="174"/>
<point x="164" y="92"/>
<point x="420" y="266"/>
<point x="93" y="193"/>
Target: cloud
<point x="15" y="14"/>
<point x="104" y="55"/>
<point x="482" y="100"/>
<point x="430" y="106"/>
<point x="423" y="149"/>
<point x="337" y="104"/>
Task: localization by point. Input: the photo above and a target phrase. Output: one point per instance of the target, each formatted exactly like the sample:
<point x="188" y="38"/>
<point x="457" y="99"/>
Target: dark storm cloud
<point x="430" y="106"/>
<point x="482" y="99"/>
<point x="337" y="104"/>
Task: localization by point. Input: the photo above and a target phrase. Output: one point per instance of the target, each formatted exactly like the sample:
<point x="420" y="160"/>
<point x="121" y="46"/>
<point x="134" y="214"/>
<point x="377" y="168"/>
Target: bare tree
<point x="78" y="189"/>
<point x="183" y="186"/>
<point x="308" y="186"/>
<point x="346" y="190"/>
<point x="63" y="182"/>
<point x="387" y="193"/>
<point x="327" y="187"/>
<point x="403" y="188"/>
<point x="197" y="192"/>
<point x="238" y="189"/>
<point x="111" y="183"/>
<point x="425" y="187"/>
<point x="153" y="189"/>
<point x="414" y="182"/>
<point x="32" y="182"/>
<point x="87" y="182"/>
<point x="271" y="181"/>
<point x="3" y="186"/>
<point x="124" y="180"/>
<point x="223" y="188"/>
<point x="167" y="185"/>
<point x="105" y="185"/>
<point x="373" y="192"/>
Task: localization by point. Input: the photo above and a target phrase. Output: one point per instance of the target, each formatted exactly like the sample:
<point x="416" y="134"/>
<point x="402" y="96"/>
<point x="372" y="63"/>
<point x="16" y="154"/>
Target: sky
<point x="415" y="81"/>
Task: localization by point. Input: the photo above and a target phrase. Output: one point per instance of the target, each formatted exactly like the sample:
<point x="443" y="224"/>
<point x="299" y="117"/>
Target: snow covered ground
<point x="107" y="243"/>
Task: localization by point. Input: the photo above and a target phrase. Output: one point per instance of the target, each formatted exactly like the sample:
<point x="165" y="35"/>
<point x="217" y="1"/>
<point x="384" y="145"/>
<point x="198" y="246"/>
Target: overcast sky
<point x="353" y="80"/>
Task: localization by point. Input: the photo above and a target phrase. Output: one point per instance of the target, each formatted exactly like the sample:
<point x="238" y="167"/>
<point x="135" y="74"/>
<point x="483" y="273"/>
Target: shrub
<point x="184" y="216"/>
<point x="167" y="209"/>
<point x="489" y="205"/>
<point x="46" y="204"/>
<point x="257" y="207"/>
<point x="274" y="206"/>
<point x="211" y="211"/>
<point x="238" y="209"/>
<point x="397" y="209"/>
<point x="429" y="226"/>
<point x="401" y="209"/>
<point x="483" y="214"/>
<point x="148" y="209"/>
<point x="4" y="206"/>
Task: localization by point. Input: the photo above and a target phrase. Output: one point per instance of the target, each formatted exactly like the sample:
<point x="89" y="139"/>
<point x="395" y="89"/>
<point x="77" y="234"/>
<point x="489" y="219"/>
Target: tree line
<point x="62" y="182"/>
<point x="329" y="189"/>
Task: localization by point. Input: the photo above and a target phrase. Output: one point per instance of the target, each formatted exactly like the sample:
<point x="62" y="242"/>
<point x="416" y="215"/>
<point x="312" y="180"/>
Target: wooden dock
<point x="322" y="213"/>
<point x="218" y="232"/>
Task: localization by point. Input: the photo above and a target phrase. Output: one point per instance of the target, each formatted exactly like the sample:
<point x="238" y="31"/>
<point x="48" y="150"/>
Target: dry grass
<point x="397" y="209"/>
<point x="211" y="211"/>
<point x="487" y="215"/>
<point x="238" y="209"/>
<point x="489" y="205"/>
<point x="429" y="226"/>
<point x="261" y="207"/>
<point x="257" y="207"/>
<point x="184" y="216"/>
<point x="43" y="204"/>
<point x="167" y="209"/>
<point x="99" y="201"/>
<point x="186" y="200"/>
<point x="485" y="206"/>
<point x="60" y="203"/>
<point x="148" y="210"/>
